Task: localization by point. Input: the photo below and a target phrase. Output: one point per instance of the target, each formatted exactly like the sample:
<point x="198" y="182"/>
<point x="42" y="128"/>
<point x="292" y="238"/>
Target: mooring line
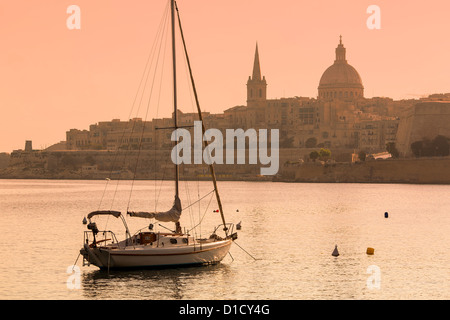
<point x="245" y="251"/>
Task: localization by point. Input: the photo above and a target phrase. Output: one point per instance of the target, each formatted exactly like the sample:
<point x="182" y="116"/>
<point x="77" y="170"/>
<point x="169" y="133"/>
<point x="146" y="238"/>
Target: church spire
<point x="256" y="85"/>
<point x="256" y="67"/>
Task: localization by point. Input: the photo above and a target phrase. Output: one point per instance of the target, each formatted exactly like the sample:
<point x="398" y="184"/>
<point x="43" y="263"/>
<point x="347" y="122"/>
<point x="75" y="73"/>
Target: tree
<point x="441" y="146"/>
<point x="314" y="155"/>
<point x="416" y="148"/>
<point x="311" y="143"/>
<point x="324" y="153"/>
<point x="390" y="147"/>
<point x="287" y="142"/>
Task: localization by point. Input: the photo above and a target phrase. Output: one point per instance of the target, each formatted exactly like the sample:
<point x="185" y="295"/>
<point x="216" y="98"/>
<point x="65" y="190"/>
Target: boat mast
<point x="172" y="8"/>
<point x="211" y="167"/>
<point x="175" y="121"/>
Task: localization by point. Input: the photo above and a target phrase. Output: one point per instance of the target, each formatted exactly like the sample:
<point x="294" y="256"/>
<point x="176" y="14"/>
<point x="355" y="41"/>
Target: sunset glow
<point x="54" y="79"/>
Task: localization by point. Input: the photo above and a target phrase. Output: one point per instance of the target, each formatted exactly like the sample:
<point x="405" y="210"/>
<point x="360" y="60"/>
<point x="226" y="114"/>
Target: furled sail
<point x="173" y="215"/>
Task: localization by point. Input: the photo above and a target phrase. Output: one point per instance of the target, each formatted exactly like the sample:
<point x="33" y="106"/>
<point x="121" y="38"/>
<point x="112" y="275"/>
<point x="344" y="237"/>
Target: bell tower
<point x="256" y="87"/>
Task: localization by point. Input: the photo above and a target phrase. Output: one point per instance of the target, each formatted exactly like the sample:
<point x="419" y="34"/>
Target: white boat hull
<point x="143" y="256"/>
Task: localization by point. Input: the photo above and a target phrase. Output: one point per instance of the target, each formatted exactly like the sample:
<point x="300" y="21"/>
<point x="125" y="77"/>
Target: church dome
<point x="340" y="75"/>
<point x="340" y="80"/>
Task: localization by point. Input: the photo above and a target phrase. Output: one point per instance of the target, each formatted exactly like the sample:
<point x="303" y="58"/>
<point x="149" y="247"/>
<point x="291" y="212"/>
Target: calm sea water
<point x="288" y="233"/>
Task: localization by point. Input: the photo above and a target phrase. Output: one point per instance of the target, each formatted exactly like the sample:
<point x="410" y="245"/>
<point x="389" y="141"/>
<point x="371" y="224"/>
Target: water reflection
<point x="291" y="229"/>
<point x="151" y="284"/>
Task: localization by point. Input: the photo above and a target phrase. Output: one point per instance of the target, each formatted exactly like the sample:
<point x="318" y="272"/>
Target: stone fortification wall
<point x="424" y="170"/>
<point x="423" y="120"/>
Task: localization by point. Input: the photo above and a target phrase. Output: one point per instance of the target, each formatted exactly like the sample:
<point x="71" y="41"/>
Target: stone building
<point x="339" y="117"/>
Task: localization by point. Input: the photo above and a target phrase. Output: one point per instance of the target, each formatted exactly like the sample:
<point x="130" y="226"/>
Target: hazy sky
<point x="54" y="79"/>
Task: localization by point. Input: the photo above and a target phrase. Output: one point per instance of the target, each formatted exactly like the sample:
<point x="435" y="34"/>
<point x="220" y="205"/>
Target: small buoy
<point x="370" y="251"/>
<point x="237" y="210"/>
<point x="84" y="220"/>
<point x="335" y="252"/>
<point x="386" y="214"/>
<point x="238" y="226"/>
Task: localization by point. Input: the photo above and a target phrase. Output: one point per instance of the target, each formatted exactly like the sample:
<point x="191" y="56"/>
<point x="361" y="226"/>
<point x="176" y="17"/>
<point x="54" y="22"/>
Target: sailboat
<point x="159" y="249"/>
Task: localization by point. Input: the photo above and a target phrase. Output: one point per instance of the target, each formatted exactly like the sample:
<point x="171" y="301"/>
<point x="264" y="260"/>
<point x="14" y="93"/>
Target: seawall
<point x="421" y="171"/>
<point x="293" y="168"/>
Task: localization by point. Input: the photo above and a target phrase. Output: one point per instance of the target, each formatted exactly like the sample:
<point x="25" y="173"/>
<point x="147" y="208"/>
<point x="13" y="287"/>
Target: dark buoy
<point x="335" y="252"/>
<point x="84" y="220"/>
<point x="238" y="226"/>
<point x="386" y="215"/>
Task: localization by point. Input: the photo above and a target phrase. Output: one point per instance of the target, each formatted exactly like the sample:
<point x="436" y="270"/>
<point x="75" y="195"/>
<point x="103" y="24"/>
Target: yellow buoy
<point x="370" y="251"/>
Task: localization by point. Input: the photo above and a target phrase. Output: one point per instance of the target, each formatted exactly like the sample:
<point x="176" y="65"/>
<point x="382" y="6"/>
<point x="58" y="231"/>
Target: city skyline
<point x="55" y="79"/>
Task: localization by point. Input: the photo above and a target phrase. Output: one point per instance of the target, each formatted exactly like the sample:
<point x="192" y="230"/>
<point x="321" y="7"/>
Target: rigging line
<point x="156" y="137"/>
<point x="75" y="263"/>
<point x="154" y="162"/>
<point x="146" y="113"/>
<point x="186" y="69"/>
<point x="163" y="32"/>
<point x="206" y="210"/>
<point x="160" y="186"/>
<point x="191" y="215"/>
<point x="160" y="33"/>
<point x="199" y="205"/>
<point x="103" y="195"/>
<point x="199" y="199"/>
<point x="151" y="53"/>
<point x="189" y="200"/>
<point x="158" y="40"/>
<point x="139" y="107"/>
<point x="156" y="134"/>
<point x="162" y="69"/>
<point x="148" y="105"/>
